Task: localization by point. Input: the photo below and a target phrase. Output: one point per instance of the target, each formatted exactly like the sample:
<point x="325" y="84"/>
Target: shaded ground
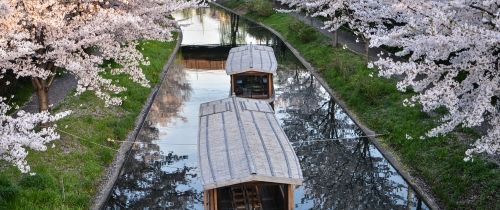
<point x="58" y="91"/>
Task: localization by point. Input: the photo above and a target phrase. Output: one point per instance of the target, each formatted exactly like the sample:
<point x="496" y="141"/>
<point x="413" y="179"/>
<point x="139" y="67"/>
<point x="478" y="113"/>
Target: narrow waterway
<point x="341" y="169"/>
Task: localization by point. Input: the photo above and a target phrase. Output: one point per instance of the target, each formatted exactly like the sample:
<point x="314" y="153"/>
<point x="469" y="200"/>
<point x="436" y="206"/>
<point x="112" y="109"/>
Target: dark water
<point x="342" y="170"/>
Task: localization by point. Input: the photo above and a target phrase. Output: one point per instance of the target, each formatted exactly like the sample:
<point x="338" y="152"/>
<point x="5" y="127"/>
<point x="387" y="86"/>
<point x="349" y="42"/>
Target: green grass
<point x="67" y="175"/>
<point x="378" y="104"/>
<point x="234" y="3"/>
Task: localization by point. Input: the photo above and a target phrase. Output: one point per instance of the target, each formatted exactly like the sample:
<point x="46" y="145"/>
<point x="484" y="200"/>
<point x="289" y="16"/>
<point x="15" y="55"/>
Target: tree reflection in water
<point x="338" y="174"/>
<point x="171" y="97"/>
<point x="220" y="28"/>
<point x="150" y="178"/>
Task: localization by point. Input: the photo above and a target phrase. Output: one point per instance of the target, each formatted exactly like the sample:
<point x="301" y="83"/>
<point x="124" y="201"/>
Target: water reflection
<point x="205" y="57"/>
<point x="342" y="170"/>
<point x="151" y="176"/>
<point x="306" y="109"/>
<point x="212" y="26"/>
<point x="167" y="104"/>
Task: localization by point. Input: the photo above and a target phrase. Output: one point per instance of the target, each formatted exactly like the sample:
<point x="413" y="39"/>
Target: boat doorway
<point x="253" y="196"/>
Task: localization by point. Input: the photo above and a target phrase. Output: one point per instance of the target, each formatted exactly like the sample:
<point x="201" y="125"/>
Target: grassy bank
<point x="67" y="175"/>
<point x="438" y="161"/>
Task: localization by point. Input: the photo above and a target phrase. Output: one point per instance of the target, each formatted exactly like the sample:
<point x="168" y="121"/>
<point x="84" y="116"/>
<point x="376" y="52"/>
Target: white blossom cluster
<point x="20" y="132"/>
<point x="451" y="54"/>
<point x="78" y="36"/>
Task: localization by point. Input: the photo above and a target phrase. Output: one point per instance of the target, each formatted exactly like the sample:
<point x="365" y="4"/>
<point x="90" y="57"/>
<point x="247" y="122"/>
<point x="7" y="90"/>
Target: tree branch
<point x="481" y="9"/>
<point x="53" y="70"/>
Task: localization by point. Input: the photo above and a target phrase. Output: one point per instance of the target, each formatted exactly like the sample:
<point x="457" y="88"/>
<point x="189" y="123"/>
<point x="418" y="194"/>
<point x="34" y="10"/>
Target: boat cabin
<point x="246" y="160"/>
<point x="251" y="68"/>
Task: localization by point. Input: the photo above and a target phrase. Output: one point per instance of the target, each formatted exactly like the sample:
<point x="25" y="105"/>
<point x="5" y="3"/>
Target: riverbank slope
<point x="435" y="164"/>
<point x="69" y="172"/>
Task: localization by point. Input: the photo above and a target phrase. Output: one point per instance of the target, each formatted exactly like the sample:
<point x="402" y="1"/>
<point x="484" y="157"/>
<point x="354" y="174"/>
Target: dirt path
<point x="344" y="38"/>
<point x="57" y="93"/>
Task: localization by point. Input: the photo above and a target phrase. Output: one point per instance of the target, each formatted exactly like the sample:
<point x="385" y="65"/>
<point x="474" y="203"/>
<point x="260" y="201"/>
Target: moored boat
<point x="251" y="68"/>
<point x="246" y="160"/>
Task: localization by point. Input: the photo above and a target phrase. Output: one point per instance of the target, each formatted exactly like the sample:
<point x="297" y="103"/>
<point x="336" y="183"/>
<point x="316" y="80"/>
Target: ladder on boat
<point x="246" y="198"/>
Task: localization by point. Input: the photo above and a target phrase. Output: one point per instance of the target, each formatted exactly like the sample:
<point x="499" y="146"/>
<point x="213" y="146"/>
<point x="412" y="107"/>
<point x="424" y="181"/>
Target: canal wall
<point x="114" y="169"/>
<point x="418" y="185"/>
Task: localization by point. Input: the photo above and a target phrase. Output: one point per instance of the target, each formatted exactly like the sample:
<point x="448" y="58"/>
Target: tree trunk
<point x="43" y="99"/>
<point x="235" y="19"/>
<point x="367" y="50"/>
<point x="335" y="38"/>
<point x="42" y="86"/>
<point x="42" y="91"/>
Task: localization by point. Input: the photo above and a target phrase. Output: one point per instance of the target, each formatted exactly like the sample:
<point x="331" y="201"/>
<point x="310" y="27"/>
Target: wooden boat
<point x="251" y="68"/>
<point x="246" y="160"/>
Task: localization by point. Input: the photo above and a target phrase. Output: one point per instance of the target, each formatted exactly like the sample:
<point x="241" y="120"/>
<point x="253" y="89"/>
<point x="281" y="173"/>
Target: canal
<point x="341" y="168"/>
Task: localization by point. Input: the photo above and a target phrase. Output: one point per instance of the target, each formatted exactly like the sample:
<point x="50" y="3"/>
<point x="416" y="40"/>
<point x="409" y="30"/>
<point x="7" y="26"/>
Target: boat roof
<point x="251" y="58"/>
<point x="240" y="140"/>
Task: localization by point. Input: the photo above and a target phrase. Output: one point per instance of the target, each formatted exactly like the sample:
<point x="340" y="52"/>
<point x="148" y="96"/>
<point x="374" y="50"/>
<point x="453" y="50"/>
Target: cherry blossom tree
<point x="366" y="17"/>
<point x="452" y="49"/>
<point x="40" y="37"/>
<point x="19" y="132"/>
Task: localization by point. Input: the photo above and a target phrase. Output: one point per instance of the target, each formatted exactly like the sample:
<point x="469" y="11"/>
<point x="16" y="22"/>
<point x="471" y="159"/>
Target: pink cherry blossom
<point x="453" y="52"/>
<point x="40" y="36"/>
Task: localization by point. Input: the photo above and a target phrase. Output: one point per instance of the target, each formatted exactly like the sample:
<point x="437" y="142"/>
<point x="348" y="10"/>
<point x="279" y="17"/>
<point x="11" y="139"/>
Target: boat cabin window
<point x="252" y="86"/>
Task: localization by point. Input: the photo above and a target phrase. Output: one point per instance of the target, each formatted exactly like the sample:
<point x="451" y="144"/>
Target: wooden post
<point x="270" y="83"/>
<point x="215" y="199"/>
<point x="210" y="199"/>
<point x="205" y="200"/>
<point x="291" y="203"/>
<point x="233" y="85"/>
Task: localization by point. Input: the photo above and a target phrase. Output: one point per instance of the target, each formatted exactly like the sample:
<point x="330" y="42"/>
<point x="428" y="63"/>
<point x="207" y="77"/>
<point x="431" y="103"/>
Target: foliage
<point x="20" y="132"/>
<point x="78" y="37"/>
<point x="457" y="184"/>
<point x="263" y="8"/>
<point x="442" y="40"/>
<point x="304" y="33"/>
<point x="377" y="102"/>
<point x="75" y="165"/>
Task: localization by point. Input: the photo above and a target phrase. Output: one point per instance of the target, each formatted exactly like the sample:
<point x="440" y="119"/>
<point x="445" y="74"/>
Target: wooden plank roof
<point x="240" y="140"/>
<point x="251" y="58"/>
